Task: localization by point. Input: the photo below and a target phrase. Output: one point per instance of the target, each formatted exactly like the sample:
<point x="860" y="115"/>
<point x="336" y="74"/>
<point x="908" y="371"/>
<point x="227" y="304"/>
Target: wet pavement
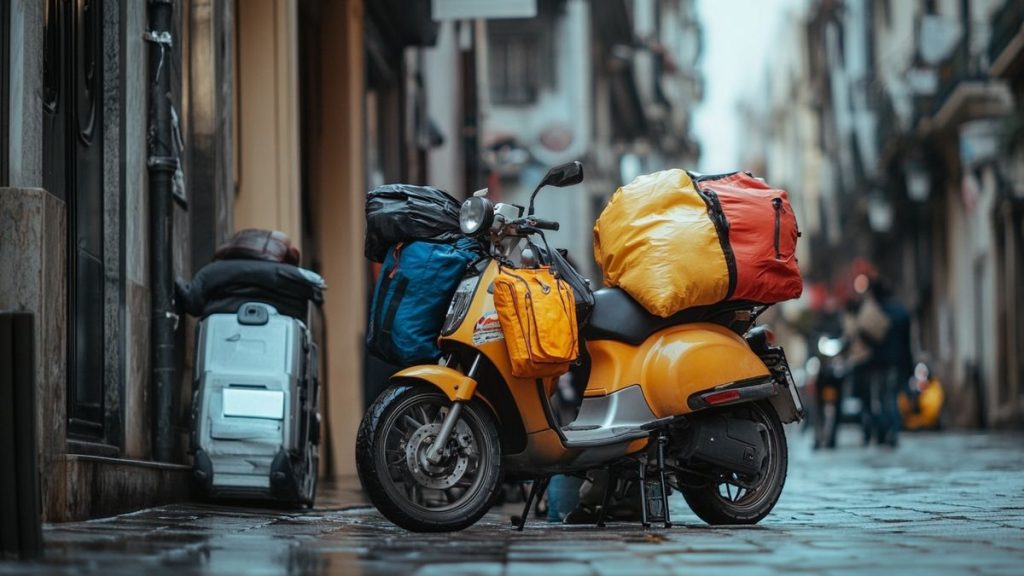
<point x="940" y="504"/>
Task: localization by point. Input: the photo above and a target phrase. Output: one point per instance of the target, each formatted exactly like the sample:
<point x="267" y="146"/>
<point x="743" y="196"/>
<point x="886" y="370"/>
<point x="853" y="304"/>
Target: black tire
<point x="711" y="506"/>
<point x="312" y="474"/>
<point x="377" y="429"/>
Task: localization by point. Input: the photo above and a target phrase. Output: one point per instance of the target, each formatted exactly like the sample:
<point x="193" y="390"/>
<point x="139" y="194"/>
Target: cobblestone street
<point x="940" y="504"/>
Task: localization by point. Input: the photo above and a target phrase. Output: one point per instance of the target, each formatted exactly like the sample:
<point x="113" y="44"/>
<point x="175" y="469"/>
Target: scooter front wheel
<point x="406" y="487"/>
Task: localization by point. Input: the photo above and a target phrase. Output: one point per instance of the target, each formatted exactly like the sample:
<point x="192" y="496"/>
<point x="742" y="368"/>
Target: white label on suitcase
<point x="254" y="403"/>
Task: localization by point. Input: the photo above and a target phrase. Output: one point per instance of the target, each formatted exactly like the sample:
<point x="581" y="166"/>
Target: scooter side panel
<point x="545" y="454"/>
<point x="673" y="364"/>
<point x="544" y="450"/>
<point x="480" y="331"/>
<point x="695" y="358"/>
<point x="614" y="366"/>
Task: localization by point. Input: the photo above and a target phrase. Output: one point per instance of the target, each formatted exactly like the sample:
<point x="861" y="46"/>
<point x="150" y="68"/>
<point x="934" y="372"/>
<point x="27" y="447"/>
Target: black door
<point x="73" y="171"/>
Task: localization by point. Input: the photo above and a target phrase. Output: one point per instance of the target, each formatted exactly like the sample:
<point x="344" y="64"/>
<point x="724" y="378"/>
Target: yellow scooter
<point x="695" y="402"/>
<point x="922" y="409"/>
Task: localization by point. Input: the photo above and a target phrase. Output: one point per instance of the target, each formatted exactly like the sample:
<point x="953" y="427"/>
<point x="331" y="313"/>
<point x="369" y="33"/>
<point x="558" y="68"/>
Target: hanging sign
<point x="489" y="9"/>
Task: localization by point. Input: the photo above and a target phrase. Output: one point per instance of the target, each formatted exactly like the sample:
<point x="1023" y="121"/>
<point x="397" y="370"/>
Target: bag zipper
<point x="777" y="203"/>
<point x="717" y="215"/>
<point x="544" y="287"/>
<point x="528" y="316"/>
<point x="524" y="318"/>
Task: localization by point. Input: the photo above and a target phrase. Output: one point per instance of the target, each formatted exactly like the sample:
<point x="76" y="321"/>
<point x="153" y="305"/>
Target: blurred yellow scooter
<point x="922" y="409"/>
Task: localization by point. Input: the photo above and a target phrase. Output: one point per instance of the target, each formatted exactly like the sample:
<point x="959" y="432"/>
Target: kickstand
<point x="536" y="492"/>
<point x="662" y="441"/>
<point x="645" y="502"/>
<point x="612" y="485"/>
<point x="655" y="506"/>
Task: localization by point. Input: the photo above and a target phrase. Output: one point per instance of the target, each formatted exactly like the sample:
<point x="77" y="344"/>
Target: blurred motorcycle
<point x="826" y="371"/>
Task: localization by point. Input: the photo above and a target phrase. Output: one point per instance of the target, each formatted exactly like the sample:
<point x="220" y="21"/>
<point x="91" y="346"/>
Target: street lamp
<point x="919" y="182"/>
<point x="879" y="213"/>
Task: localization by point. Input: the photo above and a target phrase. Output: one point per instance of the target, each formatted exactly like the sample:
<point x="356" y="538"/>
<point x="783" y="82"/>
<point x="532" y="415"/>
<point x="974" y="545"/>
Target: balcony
<point x="965" y="92"/>
<point x="1006" y="47"/>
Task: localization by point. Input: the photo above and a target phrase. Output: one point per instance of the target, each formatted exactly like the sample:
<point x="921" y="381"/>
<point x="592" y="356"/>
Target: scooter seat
<point x="617" y="316"/>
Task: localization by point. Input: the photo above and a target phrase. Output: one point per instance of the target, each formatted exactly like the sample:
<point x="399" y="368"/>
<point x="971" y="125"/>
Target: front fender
<point x="456" y="385"/>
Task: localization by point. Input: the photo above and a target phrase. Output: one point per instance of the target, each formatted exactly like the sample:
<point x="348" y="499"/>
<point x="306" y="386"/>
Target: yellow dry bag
<point x="537" y="313"/>
<point x="656" y="241"/>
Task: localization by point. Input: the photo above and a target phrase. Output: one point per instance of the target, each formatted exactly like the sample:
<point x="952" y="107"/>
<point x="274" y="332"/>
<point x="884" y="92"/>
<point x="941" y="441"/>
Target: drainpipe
<point x="162" y="164"/>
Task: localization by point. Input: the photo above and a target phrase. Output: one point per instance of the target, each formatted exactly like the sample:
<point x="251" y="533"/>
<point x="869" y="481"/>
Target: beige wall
<point x="339" y="181"/>
<point x="269" y="194"/>
<point x="268" y="117"/>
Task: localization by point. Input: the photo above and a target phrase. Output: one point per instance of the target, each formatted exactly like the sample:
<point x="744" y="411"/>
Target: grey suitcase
<point x="256" y="419"/>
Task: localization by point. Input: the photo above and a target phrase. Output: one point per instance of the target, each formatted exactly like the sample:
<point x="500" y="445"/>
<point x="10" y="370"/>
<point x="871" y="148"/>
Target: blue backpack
<point x="411" y="299"/>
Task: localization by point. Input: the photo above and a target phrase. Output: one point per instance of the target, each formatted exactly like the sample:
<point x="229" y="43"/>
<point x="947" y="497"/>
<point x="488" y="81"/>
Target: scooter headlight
<point x="829" y="347"/>
<point x="459" y="306"/>
<point x="476" y="215"/>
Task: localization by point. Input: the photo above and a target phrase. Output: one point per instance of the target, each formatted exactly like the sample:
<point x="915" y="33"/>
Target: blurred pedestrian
<point x="890" y="365"/>
<point x="857" y="355"/>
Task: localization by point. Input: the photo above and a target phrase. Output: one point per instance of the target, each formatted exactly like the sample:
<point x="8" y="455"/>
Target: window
<point x="515" y="69"/>
<point x="521" y="58"/>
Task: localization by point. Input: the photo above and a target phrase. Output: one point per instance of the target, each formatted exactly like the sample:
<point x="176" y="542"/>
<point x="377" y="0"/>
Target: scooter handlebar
<point x="541" y="223"/>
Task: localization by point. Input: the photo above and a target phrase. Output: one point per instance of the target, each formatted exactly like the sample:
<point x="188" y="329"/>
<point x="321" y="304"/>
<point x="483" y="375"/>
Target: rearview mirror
<point x="560" y="176"/>
<point x="564" y="175"/>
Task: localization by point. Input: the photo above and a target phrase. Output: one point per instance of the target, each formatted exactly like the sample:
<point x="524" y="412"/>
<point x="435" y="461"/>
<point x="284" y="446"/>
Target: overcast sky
<point x="737" y="36"/>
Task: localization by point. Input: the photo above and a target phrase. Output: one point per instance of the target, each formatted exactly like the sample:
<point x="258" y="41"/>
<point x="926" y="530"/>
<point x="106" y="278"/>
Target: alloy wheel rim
<point x="743" y="494"/>
<point x="406" y="473"/>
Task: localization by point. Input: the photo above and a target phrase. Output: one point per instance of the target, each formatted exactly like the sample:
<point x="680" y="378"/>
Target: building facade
<point x="270" y="107"/>
<point x="612" y="84"/>
<point x="280" y="114"/>
<point x="902" y="141"/>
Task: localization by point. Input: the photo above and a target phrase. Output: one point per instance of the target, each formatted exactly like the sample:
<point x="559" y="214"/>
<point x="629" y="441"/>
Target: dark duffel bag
<point x="257" y="244"/>
<point x="222" y="286"/>
<point x="397" y="213"/>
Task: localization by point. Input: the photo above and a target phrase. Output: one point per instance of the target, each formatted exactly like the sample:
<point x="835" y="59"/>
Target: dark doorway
<point x="73" y="171"/>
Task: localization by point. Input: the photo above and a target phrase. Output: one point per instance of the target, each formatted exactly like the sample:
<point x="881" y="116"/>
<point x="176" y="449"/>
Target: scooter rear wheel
<point x="738" y="500"/>
<point x="408" y="489"/>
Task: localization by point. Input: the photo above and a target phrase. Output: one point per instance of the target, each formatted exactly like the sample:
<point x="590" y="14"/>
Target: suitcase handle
<point x="252" y="314"/>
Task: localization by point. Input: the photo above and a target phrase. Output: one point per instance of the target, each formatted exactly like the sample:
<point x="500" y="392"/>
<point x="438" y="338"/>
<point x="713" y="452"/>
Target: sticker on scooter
<point x="487" y="329"/>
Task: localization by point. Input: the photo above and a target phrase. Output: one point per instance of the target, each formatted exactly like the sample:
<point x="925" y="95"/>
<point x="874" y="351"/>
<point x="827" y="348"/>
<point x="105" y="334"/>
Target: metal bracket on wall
<point x="162" y="38"/>
<point x="174" y="317"/>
